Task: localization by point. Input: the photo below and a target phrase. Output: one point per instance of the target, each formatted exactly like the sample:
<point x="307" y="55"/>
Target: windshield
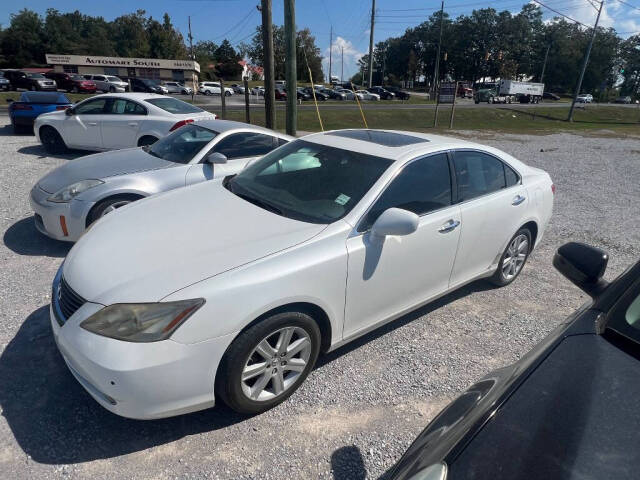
<point x="309" y="182"/>
<point x="77" y="77"/>
<point x="625" y="318"/>
<point x="114" y="79"/>
<point x="173" y="105"/>
<point x="35" y="75"/>
<point x="183" y="144"/>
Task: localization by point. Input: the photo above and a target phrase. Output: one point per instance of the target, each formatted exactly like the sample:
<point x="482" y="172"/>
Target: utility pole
<point x="584" y="65"/>
<point x="373" y="20"/>
<point x="290" y="65"/>
<point x="436" y="73"/>
<point x="544" y="64"/>
<point x="193" y="59"/>
<point x="341" y="64"/>
<point x="330" y="51"/>
<point x="267" y="64"/>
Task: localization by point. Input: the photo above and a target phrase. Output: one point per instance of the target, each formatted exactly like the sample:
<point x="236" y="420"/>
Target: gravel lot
<point x="361" y="406"/>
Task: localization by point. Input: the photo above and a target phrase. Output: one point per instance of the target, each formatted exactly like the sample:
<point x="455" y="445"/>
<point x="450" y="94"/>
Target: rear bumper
<point x="26" y="120"/>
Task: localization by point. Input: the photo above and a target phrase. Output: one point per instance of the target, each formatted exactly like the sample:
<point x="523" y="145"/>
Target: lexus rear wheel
<point x="268" y="362"/>
<point x="513" y="258"/>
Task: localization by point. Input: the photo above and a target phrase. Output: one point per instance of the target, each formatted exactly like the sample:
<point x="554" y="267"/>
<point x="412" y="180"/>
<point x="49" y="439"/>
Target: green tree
<point x="23" y="43"/>
<point x="227" y="59"/>
<point x="130" y="35"/>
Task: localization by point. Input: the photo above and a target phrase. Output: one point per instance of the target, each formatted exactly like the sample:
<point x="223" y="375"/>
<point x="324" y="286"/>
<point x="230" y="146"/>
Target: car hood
<point x="153" y="247"/>
<point x="101" y="165"/>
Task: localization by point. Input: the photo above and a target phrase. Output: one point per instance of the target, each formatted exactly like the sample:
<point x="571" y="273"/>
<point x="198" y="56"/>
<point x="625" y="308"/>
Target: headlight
<point x="141" y="322"/>
<point x="68" y="193"/>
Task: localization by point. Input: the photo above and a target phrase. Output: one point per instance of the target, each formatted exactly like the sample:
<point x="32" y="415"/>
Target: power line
<point x="560" y="13"/>
<point x="628" y="4"/>
<point x="251" y="10"/>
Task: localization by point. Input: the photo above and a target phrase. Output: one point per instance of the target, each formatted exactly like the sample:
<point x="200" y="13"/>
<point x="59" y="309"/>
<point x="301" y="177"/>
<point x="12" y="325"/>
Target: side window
<point x="91" y="107"/>
<point x="126" y="107"/>
<point x="477" y="174"/>
<point x="421" y="187"/>
<point x="245" y="144"/>
<point x="282" y="141"/>
<point x="511" y="176"/>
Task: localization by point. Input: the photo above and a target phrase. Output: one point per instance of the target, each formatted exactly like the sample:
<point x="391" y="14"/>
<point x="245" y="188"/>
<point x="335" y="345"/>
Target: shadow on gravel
<point x="477" y="286"/>
<point x="40" y="152"/>
<point x="24" y="239"/>
<point x="347" y="464"/>
<point x="55" y="421"/>
<point x="7" y="131"/>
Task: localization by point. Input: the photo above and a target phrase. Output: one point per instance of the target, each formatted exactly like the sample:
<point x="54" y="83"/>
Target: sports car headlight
<point x="141" y="322"/>
<point x="66" y="194"/>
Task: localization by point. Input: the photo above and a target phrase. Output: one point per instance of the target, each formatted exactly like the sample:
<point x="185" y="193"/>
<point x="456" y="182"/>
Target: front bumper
<point x="48" y="215"/>
<point x="138" y="380"/>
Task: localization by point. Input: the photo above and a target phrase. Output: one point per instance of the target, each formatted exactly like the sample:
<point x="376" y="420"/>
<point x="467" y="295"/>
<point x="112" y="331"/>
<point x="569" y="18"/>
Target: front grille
<point x="67" y="301"/>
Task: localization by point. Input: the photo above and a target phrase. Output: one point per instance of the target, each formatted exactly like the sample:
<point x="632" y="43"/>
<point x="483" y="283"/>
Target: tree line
<point x="488" y="43"/>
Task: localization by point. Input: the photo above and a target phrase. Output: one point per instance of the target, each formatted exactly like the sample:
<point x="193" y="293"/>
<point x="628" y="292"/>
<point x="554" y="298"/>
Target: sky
<point x="350" y="19"/>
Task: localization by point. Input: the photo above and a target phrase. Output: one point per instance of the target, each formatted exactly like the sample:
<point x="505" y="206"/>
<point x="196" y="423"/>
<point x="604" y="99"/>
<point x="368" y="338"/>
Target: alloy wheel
<point x="515" y="257"/>
<point x="276" y="363"/>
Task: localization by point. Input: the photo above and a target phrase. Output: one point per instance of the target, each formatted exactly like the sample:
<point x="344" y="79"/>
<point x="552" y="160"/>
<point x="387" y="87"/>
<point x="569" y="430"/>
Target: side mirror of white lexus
<point x="216" y="157"/>
<point x="395" y="221"/>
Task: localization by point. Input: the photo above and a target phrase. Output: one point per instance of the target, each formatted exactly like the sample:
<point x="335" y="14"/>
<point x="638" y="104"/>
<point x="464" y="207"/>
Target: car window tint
<point x="173" y="105"/>
<point x="421" y="187"/>
<point x="511" y="176"/>
<point x="126" y="107"/>
<point x="246" y="144"/>
<point x="182" y="144"/>
<point x="477" y="174"/>
<point x="91" y="107"/>
<point x="625" y="317"/>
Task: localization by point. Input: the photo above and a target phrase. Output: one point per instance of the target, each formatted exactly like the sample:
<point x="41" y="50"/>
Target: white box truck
<point x="509" y="91"/>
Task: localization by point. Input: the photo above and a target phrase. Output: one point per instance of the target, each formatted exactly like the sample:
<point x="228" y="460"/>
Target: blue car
<point x="23" y="113"/>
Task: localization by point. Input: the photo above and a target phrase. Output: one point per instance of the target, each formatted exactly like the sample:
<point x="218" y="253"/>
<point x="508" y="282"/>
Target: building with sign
<point x="154" y="68"/>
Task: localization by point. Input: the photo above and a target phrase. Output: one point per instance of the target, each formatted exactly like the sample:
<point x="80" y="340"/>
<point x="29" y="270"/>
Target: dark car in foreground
<point x="23" y="113"/>
<point x="29" y="80"/>
<point x="569" y="409"/>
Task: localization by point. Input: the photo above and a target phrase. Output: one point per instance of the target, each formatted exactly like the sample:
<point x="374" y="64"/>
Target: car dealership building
<point x="154" y="68"/>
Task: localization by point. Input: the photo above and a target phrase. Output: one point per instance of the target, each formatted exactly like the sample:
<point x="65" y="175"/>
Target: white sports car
<point x="115" y="120"/>
<point x="232" y="290"/>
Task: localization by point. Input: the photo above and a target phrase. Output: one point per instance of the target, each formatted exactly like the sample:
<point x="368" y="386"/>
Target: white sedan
<point x="115" y="120"/>
<point x="366" y="95"/>
<point x="232" y="290"/>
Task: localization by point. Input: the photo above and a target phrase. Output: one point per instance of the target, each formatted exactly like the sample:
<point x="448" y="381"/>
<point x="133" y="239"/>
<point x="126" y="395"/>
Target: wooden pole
<point x="267" y="65"/>
<point x="290" y="65"/>
<point x="373" y="21"/>
<point x="453" y="107"/>
<point x="247" y="114"/>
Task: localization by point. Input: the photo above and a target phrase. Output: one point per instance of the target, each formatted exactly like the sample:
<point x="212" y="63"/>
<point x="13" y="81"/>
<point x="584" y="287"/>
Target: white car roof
<point x="221" y="126"/>
<point x="391" y="144"/>
<point x="134" y="95"/>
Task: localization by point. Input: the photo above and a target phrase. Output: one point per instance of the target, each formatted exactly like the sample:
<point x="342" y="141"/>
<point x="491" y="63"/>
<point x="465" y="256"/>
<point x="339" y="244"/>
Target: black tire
<point x="228" y="385"/>
<point x="147" y="140"/>
<point x="51" y="140"/>
<point x="112" y="89"/>
<point x="75" y="90"/>
<point x="490" y="101"/>
<point x="499" y="278"/>
<point x="101" y="207"/>
<point x="207" y="92"/>
<point x="18" y="129"/>
<point x="227" y="94"/>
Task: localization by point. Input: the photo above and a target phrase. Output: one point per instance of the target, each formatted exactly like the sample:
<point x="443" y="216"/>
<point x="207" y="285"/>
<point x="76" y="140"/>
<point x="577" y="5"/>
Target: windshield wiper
<point x="260" y="203"/>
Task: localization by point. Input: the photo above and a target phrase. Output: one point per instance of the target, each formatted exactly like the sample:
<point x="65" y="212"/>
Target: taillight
<point x="62" y="107"/>
<point x="21" y="106"/>
<point x="181" y="123"/>
<point x="553" y="188"/>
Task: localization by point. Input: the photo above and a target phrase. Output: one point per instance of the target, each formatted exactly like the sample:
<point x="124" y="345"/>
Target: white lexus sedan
<point x="115" y="120"/>
<point x="232" y="290"/>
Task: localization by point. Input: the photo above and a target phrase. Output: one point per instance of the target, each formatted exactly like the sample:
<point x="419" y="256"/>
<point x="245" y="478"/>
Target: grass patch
<point x="515" y="119"/>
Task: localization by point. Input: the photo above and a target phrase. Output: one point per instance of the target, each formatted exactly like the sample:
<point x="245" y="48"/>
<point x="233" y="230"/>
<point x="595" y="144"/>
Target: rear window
<point x="173" y="105"/>
<point x="78" y="77"/>
<point x="45" y="97"/>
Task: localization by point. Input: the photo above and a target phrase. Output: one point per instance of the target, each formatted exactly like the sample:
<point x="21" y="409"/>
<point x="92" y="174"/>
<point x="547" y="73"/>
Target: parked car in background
<point x="350" y="95"/>
<point x="567" y="409"/>
<point x="550" y="96"/>
<point x="29" y="81"/>
<point x="585" y="98"/>
<point x="333" y="94"/>
<point x="464" y="91"/>
<point x="73" y="196"/>
<point x="382" y="92"/>
<point x="72" y="82"/>
<point x="280" y="93"/>
<point x="177" y="87"/>
<point x="108" y="83"/>
<point x="257" y="90"/>
<point x="400" y="94"/>
<point x="5" y="84"/>
<point x="230" y="290"/>
<point x="625" y="100"/>
<point x="213" y="88"/>
<point x="29" y="105"/>
<point x="115" y="120"/>
<point x="320" y="96"/>
<point x="302" y="95"/>
<point x="237" y="88"/>
<point x="147" y="85"/>
<point x="366" y="95"/>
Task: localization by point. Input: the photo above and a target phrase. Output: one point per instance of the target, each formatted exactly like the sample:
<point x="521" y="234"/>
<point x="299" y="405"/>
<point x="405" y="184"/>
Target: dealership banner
<point x="91" y="60"/>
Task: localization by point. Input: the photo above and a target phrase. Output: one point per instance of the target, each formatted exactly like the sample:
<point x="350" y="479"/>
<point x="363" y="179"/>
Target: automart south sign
<point x="91" y="60"/>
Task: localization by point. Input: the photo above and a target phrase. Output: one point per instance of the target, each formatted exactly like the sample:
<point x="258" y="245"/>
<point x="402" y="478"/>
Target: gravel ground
<point x="362" y="405"/>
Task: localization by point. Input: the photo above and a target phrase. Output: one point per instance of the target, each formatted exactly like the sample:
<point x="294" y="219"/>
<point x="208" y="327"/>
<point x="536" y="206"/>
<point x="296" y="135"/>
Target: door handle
<point x="133" y="124"/>
<point x="517" y="200"/>
<point x="449" y="226"/>
<point x="93" y="124"/>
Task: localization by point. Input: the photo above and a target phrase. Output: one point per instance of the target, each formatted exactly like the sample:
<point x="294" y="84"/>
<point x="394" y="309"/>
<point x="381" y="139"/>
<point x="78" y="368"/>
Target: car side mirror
<point x="69" y="111"/>
<point x="395" y="221"/>
<point x="584" y="265"/>
<point x="216" y="157"/>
